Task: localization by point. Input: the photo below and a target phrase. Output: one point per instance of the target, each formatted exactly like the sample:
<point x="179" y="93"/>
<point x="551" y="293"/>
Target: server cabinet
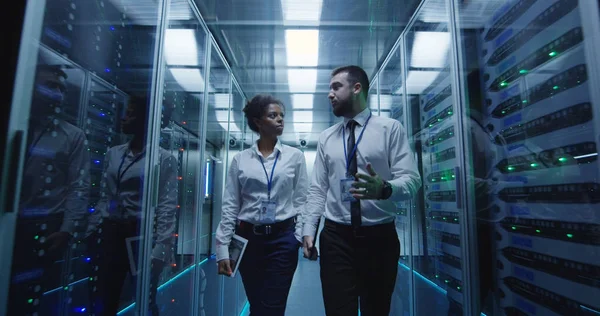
<point x="541" y="107"/>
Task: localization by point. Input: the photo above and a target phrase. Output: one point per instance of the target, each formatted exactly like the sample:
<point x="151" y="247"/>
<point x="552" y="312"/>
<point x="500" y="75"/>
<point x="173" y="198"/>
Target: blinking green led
<point x="552" y="54"/>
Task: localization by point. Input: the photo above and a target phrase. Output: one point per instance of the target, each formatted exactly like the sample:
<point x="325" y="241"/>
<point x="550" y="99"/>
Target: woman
<point x="266" y="188"/>
<point x="118" y="214"/>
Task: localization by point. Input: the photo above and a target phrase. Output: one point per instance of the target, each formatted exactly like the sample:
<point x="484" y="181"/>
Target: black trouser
<point x="34" y="268"/>
<point x="110" y="265"/>
<point x="268" y="268"/>
<point x="360" y="265"/>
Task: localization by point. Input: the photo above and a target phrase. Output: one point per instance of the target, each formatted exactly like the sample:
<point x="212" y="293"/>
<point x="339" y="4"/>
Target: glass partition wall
<point x="498" y="102"/>
<point x="125" y="146"/>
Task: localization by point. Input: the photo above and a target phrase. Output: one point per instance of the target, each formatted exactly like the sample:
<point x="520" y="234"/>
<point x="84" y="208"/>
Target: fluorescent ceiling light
<point x="301" y="10"/>
<point x="181" y="48"/>
<point x="189" y="79"/>
<point x="221" y="100"/>
<point x="302" y="80"/>
<point x="373" y="101"/>
<point x="385" y="102"/>
<point x="223" y="120"/>
<point x="302" y="101"/>
<point x="302" y="47"/>
<point x="430" y="49"/>
<point x="302" y="121"/>
<point x="417" y="81"/>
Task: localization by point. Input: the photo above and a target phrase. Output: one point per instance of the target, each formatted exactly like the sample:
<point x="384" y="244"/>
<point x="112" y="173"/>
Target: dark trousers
<point x="110" y="265"/>
<point x="35" y="269"/>
<point x="267" y="270"/>
<point x="359" y="265"/>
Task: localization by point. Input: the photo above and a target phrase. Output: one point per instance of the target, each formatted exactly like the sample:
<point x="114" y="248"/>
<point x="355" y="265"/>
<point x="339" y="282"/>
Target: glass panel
<point x="391" y="104"/>
<point x="374" y="97"/>
<point x="74" y="225"/>
<point x="219" y="98"/>
<point x="180" y="193"/>
<point x="532" y="134"/>
<point x="437" y="255"/>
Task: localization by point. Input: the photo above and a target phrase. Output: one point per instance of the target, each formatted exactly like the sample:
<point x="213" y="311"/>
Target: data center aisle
<point x="305" y="295"/>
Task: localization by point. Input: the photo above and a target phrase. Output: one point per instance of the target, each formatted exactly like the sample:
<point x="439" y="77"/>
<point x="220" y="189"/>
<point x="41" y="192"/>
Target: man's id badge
<point x="345" y="186"/>
<point x="267" y="211"/>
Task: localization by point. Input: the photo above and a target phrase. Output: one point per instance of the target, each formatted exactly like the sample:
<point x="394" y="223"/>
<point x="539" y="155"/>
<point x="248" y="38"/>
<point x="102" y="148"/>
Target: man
<point x="54" y="193"/>
<point x="359" y="245"/>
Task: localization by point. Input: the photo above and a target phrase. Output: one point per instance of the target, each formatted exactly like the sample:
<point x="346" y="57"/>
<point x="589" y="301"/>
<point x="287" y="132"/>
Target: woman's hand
<point x="225" y="267"/>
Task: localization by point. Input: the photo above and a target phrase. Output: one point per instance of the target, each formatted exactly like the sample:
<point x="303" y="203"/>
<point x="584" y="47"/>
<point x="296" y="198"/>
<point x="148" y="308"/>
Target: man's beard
<point x="342" y="108"/>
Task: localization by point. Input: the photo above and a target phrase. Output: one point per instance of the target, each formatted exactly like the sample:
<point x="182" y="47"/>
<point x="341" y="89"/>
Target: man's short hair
<point x="355" y="74"/>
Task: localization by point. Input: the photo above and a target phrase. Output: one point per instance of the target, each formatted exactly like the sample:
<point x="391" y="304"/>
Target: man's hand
<point x="308" y="247"/>
<point x="370" y="189"/>
<point x="225" y="267"/>
<point x="58" y="240"/>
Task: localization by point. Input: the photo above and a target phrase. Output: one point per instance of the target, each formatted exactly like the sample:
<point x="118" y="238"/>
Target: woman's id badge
<point x="267" y="211"/>
<point x="346" y="185"/>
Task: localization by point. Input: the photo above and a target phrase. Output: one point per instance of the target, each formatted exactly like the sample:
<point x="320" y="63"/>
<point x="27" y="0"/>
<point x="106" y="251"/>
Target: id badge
<point x="267" y="211"/>
<point x="345" y="186"/>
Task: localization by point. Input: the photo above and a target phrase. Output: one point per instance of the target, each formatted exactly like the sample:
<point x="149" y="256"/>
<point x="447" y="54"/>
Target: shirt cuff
<point x="222" y="252"/>
<point x="399" y="193"/>
<point x="309" y="229"/>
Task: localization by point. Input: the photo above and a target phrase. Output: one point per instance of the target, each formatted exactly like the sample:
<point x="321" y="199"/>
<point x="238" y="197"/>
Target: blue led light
<point x="107" y="70"/>
<point x="124" y="310"/>
<point x="96" y="161"/>
<point x="112" y="28"/>
<point x="245" y="309"/>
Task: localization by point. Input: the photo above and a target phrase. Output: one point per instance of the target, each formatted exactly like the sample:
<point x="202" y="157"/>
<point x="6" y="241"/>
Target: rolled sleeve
<point x="300" y="193"/>
<point x="77" y="200"/>
<point x="229" y="211"/>
<point x="317" y="194"/>
<point x="166" y="210"/>
<point x="406" y="180"/>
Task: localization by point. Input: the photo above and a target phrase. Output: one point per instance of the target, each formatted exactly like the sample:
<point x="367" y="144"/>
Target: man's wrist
<point x="386" y="191"/>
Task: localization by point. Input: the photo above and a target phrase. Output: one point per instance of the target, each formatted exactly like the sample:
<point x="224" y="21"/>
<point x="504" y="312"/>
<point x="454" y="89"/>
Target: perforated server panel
<point x="544" y="120"/>
<point x="439" y="183"/>
<point x="101" y="122"/>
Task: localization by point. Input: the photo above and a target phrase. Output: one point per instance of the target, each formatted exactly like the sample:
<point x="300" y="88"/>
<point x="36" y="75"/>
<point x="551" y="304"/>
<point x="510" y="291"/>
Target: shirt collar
<point x="278" y="147"/>
<point x="360" y="118"/>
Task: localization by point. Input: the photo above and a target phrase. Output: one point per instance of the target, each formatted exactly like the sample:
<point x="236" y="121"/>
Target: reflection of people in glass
<point x="118" y="215"/>
<point x="54" y="193"/>
<point x="359" y="245"/>
<point x="266" y="187"/>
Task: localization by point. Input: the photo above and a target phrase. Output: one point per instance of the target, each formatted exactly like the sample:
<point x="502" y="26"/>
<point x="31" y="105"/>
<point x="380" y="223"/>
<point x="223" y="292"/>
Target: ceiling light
<point x="302" y="121"/>
<point x="181" y="47"/>
<point x="417" y="81"/>
<point x="302" y="47"/>
<point x="301" y="10"/>
<point x="430" y="49"/>
<point x="302" y="101"/>
<point x="189" y="79"/>
<point x="302" y="80"/>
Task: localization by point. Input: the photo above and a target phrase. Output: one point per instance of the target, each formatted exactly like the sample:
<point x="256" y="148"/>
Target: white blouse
<point x="246" y="188"/>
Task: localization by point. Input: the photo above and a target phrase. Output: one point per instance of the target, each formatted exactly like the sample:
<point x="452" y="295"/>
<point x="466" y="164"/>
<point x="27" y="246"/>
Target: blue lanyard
<point x="120" y="173"/>
<point x="355" y="145"/>
<point x="269" y="180"/>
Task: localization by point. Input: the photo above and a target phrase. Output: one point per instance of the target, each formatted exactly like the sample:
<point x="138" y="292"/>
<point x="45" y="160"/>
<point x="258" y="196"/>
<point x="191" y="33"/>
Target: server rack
<point x="543" y="113"/>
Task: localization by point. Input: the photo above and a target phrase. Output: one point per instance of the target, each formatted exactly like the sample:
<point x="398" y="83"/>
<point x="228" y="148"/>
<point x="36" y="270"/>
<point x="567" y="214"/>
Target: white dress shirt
<point x="246" y="188"/>
<point x="121" y="198"/>
<point x="56" y="174"/>
<point x="384" y="145"/>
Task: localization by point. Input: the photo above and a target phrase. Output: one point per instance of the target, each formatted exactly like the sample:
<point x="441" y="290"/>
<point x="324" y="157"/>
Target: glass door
<point x="438" y="260"/>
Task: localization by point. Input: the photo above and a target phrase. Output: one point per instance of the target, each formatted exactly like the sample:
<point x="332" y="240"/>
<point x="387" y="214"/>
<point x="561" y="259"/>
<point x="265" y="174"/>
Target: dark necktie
<point x="353" y="169"/>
